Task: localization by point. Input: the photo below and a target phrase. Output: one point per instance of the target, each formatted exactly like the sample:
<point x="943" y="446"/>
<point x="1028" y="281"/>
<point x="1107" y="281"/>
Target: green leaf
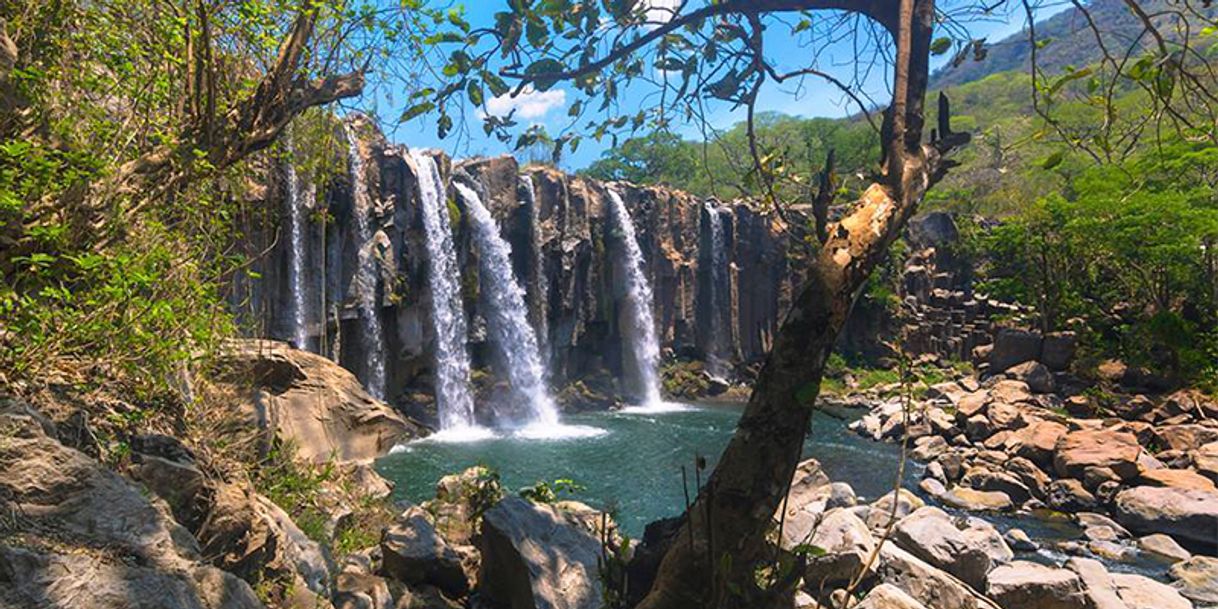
<point x="940" y="46"/>
<point x="416" y="110"/>
<point x="475" y="93"/>
<point x="1053" y="160"/>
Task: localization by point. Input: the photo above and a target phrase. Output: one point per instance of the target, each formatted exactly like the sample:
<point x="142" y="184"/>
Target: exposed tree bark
<point x="732" y="513"/>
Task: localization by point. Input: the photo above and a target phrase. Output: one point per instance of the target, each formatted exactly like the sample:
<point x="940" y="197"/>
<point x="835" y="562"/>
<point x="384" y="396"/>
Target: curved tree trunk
<point x="733" y="513"/>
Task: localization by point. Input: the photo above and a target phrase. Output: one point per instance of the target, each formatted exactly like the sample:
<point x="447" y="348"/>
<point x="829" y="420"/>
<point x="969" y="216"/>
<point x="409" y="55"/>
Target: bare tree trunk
<point x="733" y="512"/>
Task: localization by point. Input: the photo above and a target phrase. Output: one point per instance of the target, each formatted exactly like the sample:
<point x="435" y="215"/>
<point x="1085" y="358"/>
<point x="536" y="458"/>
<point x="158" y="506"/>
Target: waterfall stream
<point x="454" y="402"/>
<point x="640" y="330"/>
<point x="717" y="358"/>
<point x="541" y="285"/>
<point x="365" y="283"/>
<point x="298" y="199"/>
<point x="507" y="317"/>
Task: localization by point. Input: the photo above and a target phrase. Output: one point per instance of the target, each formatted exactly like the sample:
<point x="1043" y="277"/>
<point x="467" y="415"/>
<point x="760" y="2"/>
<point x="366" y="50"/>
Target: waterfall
<point x="717" y="358"/>
<point x="366" y="273"/>
<point x="454" y="402"/>
<point x="507" y="317"/>
<point x="641" y="329"/>
<point x="542" y="284"/>
<point x="297" y="200"/>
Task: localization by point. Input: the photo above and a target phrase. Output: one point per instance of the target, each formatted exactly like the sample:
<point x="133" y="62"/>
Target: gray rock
<point x="1098" y="586"/>
<point x="412" y="552"/>
<point x="533" y="558"/>
<point x="1035" y="374"/>
<point x="928" y="585"/>
<point x="1028" y="585"/>
<point x="882" y="509"/>
<point x="57" y="489"/>
<point x="847" y="544"/>
<point x="1014" y="346"/>
<point x="1058" y="350"/>
<point x="1139" y="592"/>
<point x="1189" y="515"/>
<point x="930" y="534"/>
<point x="1020" y="541"/>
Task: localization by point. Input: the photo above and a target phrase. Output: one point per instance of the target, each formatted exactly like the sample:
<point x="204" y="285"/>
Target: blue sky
<point x="813" y="98"/>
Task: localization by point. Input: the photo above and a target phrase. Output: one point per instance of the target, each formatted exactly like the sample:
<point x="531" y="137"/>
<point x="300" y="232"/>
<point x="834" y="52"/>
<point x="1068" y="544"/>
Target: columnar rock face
<point x="563" y="254"/>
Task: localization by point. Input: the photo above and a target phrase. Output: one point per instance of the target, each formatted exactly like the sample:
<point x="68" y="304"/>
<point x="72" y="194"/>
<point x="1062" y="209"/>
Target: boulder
<point x="971" y="499"/>
<point x="1005" y="417"/>
<point x="930" y="534"/>
<point x="928" y="585"/>
<point x="1035" y="374"/>
<point x="887" y="596"/>
<point x="1018" y="540"/>
<point x="928" y="448"/>
<point x="1028" y="585"/>
<point x="932" y="229"/>
<point x="1057" y="350"/>
<point x="972" y="405"/>
<point x="89" y="538"/>
<point x="1140" y="592"/>
<point x="1098" y="586"/>
<point x="1197" y="579"/>
<point x="354" y="590"/>
<point x="1009" y="391"/>
<point x="1038" y="441"/>
<point x="314" y="402"/>
<point x="1205" y="459"/>
<point x="1187" y="515"/>
<point x="989" y="479"/>
<point x="1014" y="346"/>
<point x="1177" y="478"/>
<point x="412" y="552"/>
<point x="534" y="558"/>
<point x="1163" y="547"/>
<point x="1033" y="479"/>
<point x="1069" y="495"/>
<point x="882" y="509"/>
<point x="1077" y="450"/>
<point x="1185" y="437"/>
<point x="847" y="545"/>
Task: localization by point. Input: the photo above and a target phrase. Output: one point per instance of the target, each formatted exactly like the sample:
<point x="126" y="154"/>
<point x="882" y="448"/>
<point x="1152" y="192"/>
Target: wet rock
<point x="1028" y="585"/>
<point x="412" y="552"/>
<point x="1019" y="541"/>
<point x="1112" y="551"/>
<point x="1197" y="578"/>
<point x="1187" y="515"/>
<point x="532" y="557"/>
<point x="1163" y="547"/>
<point x="1078" y="450"/>
<point x="1035" y="374"/>
<point x="1089" y="520"/>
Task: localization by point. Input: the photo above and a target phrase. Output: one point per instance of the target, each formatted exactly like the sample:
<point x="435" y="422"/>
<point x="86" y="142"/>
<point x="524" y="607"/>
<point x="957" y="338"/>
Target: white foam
<point x="659" y="407"/>
<point x="558" y="431"/>
<point x="461" y="435"/>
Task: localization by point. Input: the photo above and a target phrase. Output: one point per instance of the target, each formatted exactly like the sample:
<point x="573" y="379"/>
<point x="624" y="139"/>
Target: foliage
<point x="1126" y="250"/>
<point x="296" y="487"/>
<point x="549" y="492"/>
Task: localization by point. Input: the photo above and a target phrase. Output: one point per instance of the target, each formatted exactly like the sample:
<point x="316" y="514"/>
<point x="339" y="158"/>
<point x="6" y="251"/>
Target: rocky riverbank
<point x="1134" y="469"/>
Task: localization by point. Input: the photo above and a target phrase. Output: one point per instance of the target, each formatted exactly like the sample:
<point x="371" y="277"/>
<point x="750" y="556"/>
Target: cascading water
<point x="717" y="358"/>
<point x="455" y="403"/>
<point x="539" y="269"/>
<point x="297" y="199"/>
<point x="366" y="273"/>
<point x="507" y="317"/>
<point x="641" y="329"/>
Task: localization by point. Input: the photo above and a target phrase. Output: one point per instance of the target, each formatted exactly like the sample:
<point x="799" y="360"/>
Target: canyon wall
<point x="563" y="253"/>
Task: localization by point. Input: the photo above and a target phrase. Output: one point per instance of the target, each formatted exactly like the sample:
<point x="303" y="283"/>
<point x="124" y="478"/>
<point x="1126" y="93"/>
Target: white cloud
<point x="661" y="11"/>
<point x="530" y="103"/>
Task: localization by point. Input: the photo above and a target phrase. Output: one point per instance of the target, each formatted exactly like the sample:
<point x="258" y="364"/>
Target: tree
<point x="719" y="51"/>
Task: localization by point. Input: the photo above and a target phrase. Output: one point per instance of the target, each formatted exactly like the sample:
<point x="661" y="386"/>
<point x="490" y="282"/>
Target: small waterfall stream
<point x="507" y="317"/>
<point x="455" y="403"/>
<point x="298" y="199"/>
<point x="366" y="273"/>
<point x="542" y="312"/>
<point x="717" y="358"/>
<point x="641" y="329"/>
